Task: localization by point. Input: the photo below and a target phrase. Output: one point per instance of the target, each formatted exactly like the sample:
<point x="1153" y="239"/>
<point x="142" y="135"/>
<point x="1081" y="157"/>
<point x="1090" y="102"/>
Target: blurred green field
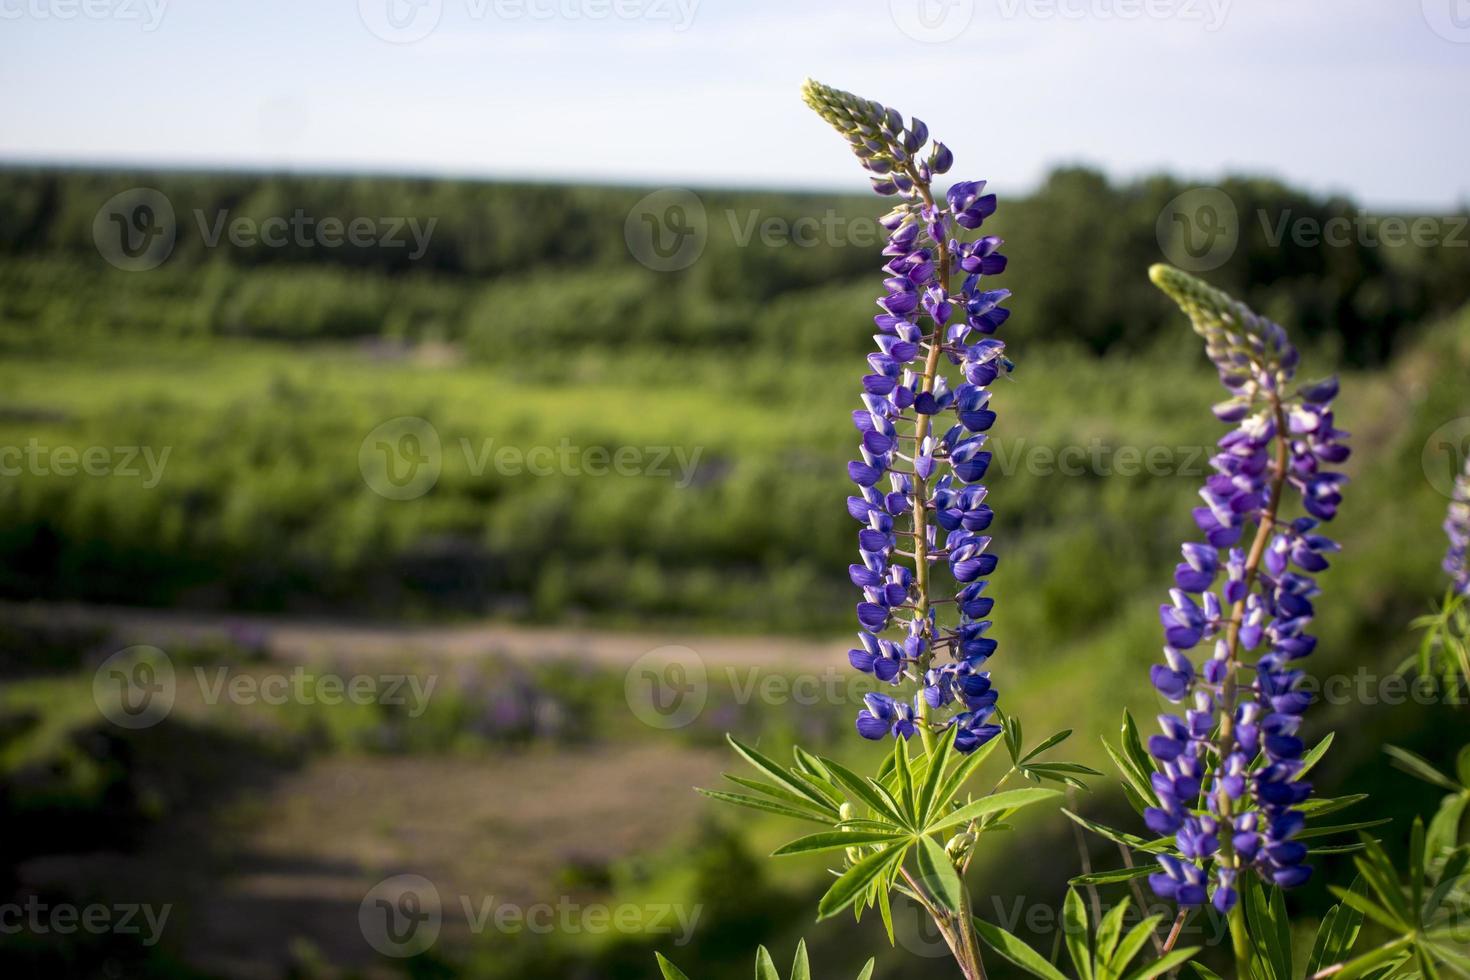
<point x="262" y="375"/>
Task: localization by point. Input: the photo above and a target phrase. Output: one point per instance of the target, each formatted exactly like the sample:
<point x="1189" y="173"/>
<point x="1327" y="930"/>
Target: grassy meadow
<point x="245" y="385"/>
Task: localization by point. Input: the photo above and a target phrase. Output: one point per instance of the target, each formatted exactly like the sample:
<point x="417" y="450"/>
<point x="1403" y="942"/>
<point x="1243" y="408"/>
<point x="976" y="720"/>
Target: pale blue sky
<point x="1362" y="96"/>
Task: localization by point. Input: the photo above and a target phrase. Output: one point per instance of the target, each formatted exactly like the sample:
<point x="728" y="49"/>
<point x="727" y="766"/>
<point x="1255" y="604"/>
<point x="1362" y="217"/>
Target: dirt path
<point x="310" y="639"/>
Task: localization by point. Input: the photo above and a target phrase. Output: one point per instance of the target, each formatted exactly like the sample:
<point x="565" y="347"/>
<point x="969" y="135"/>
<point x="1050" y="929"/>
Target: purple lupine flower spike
<point x="923" y="437"/>
<point x="1227" y="814"/>
<point x="1457" y="527"/>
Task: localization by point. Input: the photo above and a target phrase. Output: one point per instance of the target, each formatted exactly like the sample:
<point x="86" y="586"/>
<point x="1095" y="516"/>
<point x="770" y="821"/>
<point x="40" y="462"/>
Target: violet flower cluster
<point x="1457" y="527"/>
<point x="922" y="453"/>
<point x="1229" y="783"/>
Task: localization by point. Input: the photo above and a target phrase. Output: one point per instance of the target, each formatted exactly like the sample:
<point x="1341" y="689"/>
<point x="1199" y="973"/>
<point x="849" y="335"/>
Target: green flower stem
<point x="1241" y="941"/>
<point x="921" y="431"/>
<point x="1225" y="742"/>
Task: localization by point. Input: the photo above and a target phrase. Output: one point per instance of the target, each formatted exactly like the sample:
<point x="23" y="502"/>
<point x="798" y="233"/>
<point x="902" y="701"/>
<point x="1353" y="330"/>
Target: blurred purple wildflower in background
<point x="1281" y="440"/>
<point x="932" y="478"/>
<point x="1457" y="526"/>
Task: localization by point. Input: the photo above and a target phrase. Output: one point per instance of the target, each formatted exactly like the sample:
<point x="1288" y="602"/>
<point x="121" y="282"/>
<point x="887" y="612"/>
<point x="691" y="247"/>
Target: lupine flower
<point x="1457" y="526"/>
<point x="922" y="442"/>
<point x="1227" y="814"/>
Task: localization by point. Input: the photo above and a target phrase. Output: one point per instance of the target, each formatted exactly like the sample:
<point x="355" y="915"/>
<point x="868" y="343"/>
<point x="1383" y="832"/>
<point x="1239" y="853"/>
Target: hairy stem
<point x="1225" y="743"/>
<point x="921" y="431"/>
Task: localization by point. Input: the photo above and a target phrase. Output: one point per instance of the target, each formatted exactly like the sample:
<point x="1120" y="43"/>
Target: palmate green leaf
<point x="1390" y="954"/>
<point x="1450" y="878"/>
<point x="1420" y="768"/>
<point x="837" y="840"/>
<point x="1017" y="952"/>
<point x="938" y="873"/>
<point x="1363" y="904"/>
<point x="1346" y="928"/>
<point x="768" y="806"/>
<point x="1005" y="802"/>
<point x="1383" y="879"/>
<point x="854" y="882"/>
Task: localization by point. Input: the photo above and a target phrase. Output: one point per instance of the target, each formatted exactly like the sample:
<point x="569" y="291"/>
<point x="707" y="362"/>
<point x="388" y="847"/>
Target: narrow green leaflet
<point x="1163" y="965"/>
<point x="1419" y="767"/>
<point x="855" y="880"/>
<point x="1074" y="931"/>
<point x="1114" y="877"/>
<point x="765" y="967"/>
<point x="1017" y="952"/>
<point x="995" y="803"/>
<point x="669" y="970"/>
<point x="939" y="874"/>
<point x="837" y="840"/>
<point x="769" y="806"/>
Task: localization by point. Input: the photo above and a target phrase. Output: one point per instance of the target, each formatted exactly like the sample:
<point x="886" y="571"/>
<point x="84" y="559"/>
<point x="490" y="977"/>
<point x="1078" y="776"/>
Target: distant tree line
<point x="481" y="263"/>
